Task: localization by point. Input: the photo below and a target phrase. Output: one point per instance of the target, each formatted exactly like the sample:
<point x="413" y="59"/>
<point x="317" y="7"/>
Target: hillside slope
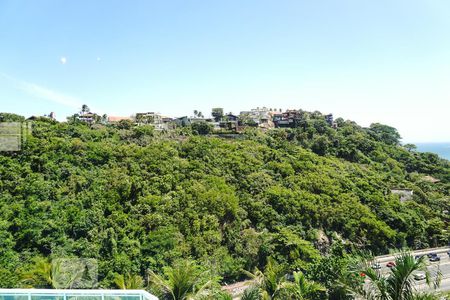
<point x="135" y="199"/>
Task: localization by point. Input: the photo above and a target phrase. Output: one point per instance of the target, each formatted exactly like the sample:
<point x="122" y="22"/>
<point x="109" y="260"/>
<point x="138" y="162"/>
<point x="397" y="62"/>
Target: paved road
<point x="237" y="288"/>
<point x="443" y="266"/>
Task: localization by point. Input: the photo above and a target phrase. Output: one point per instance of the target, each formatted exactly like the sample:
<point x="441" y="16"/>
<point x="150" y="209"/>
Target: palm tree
<point x="426" y="296"/>
<point x="270" y="281"/>
<point x="399" y="284"/>
<point x="52" y="274"/>
<point x="251" y="293"/>
<point x="128" y="281"/>
<point x="39" y="275"/>
<point x="223" y="296"/>
<point x="274" y="284"/>
<point x="301" y="288"/>
<point x="184" y="281"/>
<point x="85" y="108"/>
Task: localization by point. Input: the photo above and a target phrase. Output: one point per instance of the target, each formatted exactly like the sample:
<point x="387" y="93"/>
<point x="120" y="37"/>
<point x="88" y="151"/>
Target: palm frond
<point x="251" y="293"/>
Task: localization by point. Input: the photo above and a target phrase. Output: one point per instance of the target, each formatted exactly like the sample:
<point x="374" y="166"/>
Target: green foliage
<point x="136" y="199"/>
<point x="201" y="128"/>
<point x="39" y="275"/>
<point x="273" y="284"/>
<point x="183" y="281"/>
<point x="251" y="293"/>
<point x="217" y="113"/>
<point x="385" y="133"/>
<point x="399" y="283"/>
<point x="301" y="288"/>
<point x="128" y="281"/>
<point x="8" y="117"/>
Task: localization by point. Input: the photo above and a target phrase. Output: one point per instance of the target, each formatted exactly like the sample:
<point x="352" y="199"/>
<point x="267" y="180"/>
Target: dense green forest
<point x="138" y="200"/>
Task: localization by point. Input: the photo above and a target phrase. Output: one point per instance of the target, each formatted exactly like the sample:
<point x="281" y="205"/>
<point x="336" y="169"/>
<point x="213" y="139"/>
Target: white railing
<point x="58" y="294"/>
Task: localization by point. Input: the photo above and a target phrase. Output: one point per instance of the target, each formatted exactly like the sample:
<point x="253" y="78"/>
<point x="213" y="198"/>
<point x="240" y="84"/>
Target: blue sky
<point x="370" y="61"/>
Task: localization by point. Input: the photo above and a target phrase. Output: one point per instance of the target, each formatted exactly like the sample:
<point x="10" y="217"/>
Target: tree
<point x="251" y="293"/>
<point x="332" y="270"/>
<point x="182" y="282"/>
<point x="128" y="281"/>
<point x="137" y="199"/>
<point x="201" y="128"/>
<point x="410" y="147"/>
<point x="198" y="114"/>
<point x="124" y="124"/>
<point x="85" y="109"/>
<point x="385" y="133"/>
<point x="223" y="296"/>
<point x="303" y="289"/>
<point x="320" y="145"/>
<point x="39" y="275"/>
<point x="46" y="274"/>
<point x="399" y="284"/>
<point x="217" y="114"/>
<point x="271" y="281"/>
<point x="273" y="284"/>
<point x="8" y="117"/>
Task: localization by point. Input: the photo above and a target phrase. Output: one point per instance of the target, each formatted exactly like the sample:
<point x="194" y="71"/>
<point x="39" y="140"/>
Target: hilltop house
<point x="229" y="122"/>
<point x="186" y="121"/>
<point x="49" y="116"/>
<point x="148" y="118"/>
<point x="88" y="117"/>
<point x="182" y="121"/>
<point x="257" y="117"/>
<point x="329" y="119"/>
<point x="289" y="119"/>
<point x="199" y="120"/>
<point x="152" y="118"/>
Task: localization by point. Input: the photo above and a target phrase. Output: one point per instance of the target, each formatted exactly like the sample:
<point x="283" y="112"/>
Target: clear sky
<point x="370" y="61"/>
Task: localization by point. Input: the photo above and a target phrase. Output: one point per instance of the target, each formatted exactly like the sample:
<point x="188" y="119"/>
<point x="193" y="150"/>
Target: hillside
<point x="137" y="200"/>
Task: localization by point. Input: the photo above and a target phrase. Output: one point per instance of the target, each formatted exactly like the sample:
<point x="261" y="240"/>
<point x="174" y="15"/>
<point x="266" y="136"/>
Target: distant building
<point x="49" y="116"/>
<point x="88" y="117"/>
<point x="166" y="119"/>
<point x="257" y="117"/>
<point x="289" y="118"/>
<point x="187" y="121"/>
<point x="148" y="118"/>
<point x="229" y="122"/>
<point x="404" y="194"/>
<point x="231" y="117"/>
<point x="200" y="120"/>
<point x="182" y="121"/>
<point x="116" y="119"/>
<point x="152" y="118"/>
<point x="329" y="119"/>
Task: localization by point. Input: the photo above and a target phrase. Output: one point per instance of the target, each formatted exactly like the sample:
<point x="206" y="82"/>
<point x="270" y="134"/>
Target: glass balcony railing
<point x="49" y="294"/>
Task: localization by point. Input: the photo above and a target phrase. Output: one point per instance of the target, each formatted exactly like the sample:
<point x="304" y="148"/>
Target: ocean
<point x="441" y="149"/>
